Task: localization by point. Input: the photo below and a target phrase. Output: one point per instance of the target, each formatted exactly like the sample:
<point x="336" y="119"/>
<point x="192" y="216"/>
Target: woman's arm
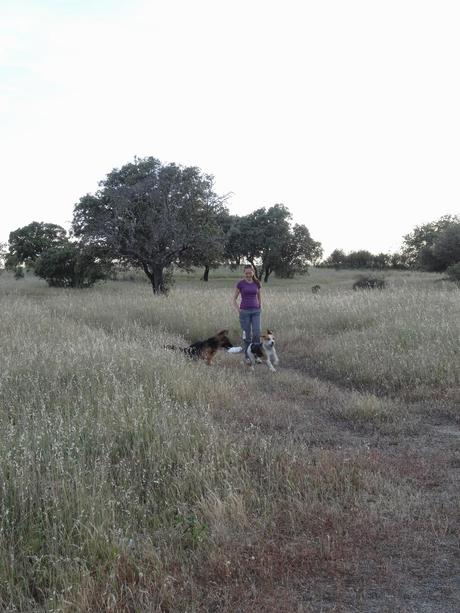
<point x="235" y="299"/>
<point x="259" y="298"/>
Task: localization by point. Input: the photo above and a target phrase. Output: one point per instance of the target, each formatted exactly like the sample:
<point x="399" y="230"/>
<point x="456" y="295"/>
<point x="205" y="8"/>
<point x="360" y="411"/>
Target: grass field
<point x="134" y="479"/>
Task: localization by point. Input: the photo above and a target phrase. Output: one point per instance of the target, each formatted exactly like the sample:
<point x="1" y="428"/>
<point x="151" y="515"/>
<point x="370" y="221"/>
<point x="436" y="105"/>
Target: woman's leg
<point x="245" y="323"/>
<point x="255" y="326"/>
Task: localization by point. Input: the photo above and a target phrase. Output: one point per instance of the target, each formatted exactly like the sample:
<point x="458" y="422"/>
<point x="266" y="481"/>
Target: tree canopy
<point x="420" y="247"/>
<point x="267" y="230"/>
<point x="297" y="253"/>
<point x="267" y="240"/>
<point x="446" y="248"/>
<point x="28" y="242"/>
<point x="153" y="215"/>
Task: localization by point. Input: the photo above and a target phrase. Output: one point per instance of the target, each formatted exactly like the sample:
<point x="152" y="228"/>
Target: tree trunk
<point x="158" y="283"/>
<point x="205" y="276"/>
<point x="156" y="278"/>
<point x="267" y="274"/>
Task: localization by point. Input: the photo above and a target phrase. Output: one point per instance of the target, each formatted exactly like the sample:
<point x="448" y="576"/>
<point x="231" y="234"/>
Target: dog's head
<point x="223" y="339"/>
<point x="268" y="339"/>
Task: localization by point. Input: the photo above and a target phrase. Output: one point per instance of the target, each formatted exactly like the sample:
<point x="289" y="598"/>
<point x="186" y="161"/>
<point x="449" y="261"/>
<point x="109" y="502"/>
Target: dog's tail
<point x="173" y="347"/>
<point x="186" y="350"/>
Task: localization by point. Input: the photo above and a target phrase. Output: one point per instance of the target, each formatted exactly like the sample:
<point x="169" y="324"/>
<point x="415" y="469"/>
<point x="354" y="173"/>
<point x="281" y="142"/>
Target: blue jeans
<point x="250" y="325"/>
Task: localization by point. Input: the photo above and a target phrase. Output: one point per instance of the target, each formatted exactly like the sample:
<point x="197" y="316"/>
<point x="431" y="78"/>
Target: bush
<point x="453" y="272"/>
<point x="70" y="266"/>
<point x="369" y="282"/>
<point x="19" y="272"/>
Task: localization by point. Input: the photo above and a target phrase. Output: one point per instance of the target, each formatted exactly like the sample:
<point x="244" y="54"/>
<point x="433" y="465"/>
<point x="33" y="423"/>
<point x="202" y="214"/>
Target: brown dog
<point x="206" y="349"/>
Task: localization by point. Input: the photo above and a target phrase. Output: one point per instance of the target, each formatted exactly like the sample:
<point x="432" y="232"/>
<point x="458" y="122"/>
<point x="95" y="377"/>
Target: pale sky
<point x="346" y="111"/>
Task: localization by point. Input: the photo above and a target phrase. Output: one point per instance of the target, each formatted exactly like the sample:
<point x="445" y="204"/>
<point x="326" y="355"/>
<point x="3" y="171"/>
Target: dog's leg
<point x="252" y="361"/>
<point x="275" y="358"/>
<point x="270" y="365"/>
<point x="208" y="357"/>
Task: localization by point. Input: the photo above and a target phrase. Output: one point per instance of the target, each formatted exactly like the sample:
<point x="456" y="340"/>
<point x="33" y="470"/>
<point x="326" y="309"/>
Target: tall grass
<point x="134" y="479"/>
<point x="387" y="341"/>
<point x="405" y="338"/>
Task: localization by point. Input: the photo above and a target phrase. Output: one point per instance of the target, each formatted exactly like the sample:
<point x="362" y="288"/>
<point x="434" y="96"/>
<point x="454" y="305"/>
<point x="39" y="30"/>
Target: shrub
<point x="453" y="272"/>
<point x="19" y="272"/>
<point x="70" y="266"/>
<point x="369" y="282"/>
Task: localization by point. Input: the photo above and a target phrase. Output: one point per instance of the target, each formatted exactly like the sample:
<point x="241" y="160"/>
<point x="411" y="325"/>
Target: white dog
<point x="264" y="351"/>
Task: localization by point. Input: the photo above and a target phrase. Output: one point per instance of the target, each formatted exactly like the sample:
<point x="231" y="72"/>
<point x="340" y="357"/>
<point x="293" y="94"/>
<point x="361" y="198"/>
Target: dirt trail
<point x="422" y="572"/>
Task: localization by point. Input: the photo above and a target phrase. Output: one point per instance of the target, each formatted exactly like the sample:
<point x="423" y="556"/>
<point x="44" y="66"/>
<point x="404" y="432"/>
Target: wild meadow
<point x="135" y="479"/>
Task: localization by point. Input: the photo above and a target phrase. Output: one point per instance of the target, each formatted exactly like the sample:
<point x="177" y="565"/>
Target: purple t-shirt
<point x="248" y="291"/>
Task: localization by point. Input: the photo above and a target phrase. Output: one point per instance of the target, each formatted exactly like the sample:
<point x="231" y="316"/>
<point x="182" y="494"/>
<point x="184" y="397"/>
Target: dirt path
<point x="417" y="567"/>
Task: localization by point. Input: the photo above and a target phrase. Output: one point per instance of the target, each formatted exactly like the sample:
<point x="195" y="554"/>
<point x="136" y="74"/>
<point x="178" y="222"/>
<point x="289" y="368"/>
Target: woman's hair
<point x="254" y="278"/>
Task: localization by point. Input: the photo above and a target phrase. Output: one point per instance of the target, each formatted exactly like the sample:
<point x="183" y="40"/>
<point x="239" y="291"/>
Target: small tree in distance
<point x="420" y="245"/>
<point x="446" y="248"/>
<point x="269" y="242"/>
<point x="336" y="259"/>
<point x="297" y="252"/>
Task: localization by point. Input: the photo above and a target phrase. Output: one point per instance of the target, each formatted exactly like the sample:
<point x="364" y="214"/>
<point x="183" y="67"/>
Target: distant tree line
<point x="157" y="217"/>
<point x="365" y="259"/>
<point x="433" y="247"/>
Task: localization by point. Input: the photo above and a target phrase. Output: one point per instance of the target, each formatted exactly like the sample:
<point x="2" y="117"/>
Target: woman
<point x="248" y="288"/>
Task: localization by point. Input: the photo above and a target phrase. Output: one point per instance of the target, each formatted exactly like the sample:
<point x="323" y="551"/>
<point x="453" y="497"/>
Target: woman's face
<point x="248" y="274"/>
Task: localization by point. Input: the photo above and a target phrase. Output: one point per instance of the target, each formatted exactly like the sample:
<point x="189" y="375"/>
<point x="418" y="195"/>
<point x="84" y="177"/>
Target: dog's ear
<point x="222" y="333"/>
<point x="269" y="331"/>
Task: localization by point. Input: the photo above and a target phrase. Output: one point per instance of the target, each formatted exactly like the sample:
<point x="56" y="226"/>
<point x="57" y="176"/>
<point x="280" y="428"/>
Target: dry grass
<point x="133" y="479"/>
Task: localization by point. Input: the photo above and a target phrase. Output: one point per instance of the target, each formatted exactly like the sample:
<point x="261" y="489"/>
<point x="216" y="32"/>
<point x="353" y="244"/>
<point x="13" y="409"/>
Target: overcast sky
<point x="346" y="111"/>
